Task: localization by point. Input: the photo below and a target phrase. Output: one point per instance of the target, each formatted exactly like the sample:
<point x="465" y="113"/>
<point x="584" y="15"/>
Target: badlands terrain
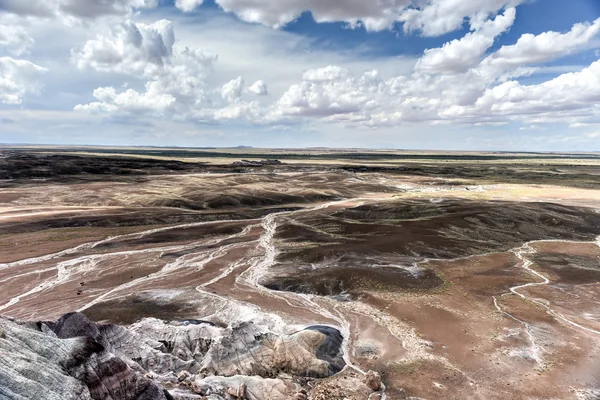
<point x="315" y="274"/>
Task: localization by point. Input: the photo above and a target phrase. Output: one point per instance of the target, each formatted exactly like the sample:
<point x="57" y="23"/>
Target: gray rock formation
<point x="75" y="358"/>
<point x="55" y="361"/>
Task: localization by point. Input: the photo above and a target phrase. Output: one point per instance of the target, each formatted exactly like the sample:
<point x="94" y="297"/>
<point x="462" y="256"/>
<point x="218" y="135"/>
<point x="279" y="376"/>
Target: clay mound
<point x="330" y="348"/>
<point x="353" y="280"/>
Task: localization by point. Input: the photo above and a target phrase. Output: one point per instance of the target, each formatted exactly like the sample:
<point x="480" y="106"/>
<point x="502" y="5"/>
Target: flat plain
<point x="451" y="275"/>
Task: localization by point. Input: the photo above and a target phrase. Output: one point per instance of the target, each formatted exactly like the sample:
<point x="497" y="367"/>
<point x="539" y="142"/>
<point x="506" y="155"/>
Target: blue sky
<point x="479" y="75"/>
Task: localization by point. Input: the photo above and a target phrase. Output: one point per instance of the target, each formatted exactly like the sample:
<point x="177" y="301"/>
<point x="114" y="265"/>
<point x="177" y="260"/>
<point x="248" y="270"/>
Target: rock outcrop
<point x="373" y="380"/>
<point x="75" y="358"/>
<point x="54" y="361"/>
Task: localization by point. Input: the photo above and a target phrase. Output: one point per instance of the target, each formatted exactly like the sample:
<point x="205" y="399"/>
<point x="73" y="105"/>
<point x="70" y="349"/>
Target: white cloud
<point x="250" y="111"/>
<point x="129" y="101"/>
<point x="367" y="100"/>
<point x="545" y="47"/>
<point x="461" y="54"/>
<point x="96" y="8"/>
<point x="18" y="78"/>
<point x="329" y="91"/>
<point x="375" y="15"/>
<point x="232" y="90"/>
<point x="431" y="17"/>
<point x="175" y="75"/>
<point x="13" y="36"/>
<point x="188" y="5"/>
<point x="259" y="88"/>
<point x="133" y="49"/>
<point x="566" y="92"/>
<point x="436" y="17"/>
<point x="329" y="73"/>
<point x="85" y="9"/>
<point x="564" y="99"/>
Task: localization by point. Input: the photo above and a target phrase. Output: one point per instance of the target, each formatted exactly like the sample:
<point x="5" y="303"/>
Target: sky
<point x="513" y="75"/>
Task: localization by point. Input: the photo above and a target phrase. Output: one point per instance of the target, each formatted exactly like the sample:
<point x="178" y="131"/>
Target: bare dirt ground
<point x="453" y="282"/>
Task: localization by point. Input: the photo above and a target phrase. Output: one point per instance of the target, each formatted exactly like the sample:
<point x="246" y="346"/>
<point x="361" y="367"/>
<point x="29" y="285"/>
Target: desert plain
<point x="353" y="274"/>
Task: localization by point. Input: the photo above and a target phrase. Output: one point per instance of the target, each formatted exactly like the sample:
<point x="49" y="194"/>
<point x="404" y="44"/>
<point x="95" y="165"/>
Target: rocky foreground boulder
<point x="75" y="358"/>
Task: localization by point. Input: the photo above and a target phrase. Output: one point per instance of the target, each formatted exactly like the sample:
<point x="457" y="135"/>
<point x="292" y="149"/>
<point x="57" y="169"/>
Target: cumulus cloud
<point x="150" y="102"/>
<point x="259" y="88"/>
<point x="129" y="49"/>
<point x="329" y="91"/>
<point x="18" y="78"/>
<point x="374" y="15"/>
<point x="188" y="5"/>
<point x="431" y="17"/>
<point x="436" y="17"/>
<point x="13" y="36"/>
<point x="329" y="73"/>
<point x="456" y="83"/>
<point x="18" y="17"/>
<point x="144" y="50"/>
<point x="567" y="92"/>
<point x="175" y="76"/>
<point x="74" y="8"/>
<point x="232" y="90"/>
<point x="461" y="54"/>
<point x="545" y="47"/>
<point x="369" y="101"/>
